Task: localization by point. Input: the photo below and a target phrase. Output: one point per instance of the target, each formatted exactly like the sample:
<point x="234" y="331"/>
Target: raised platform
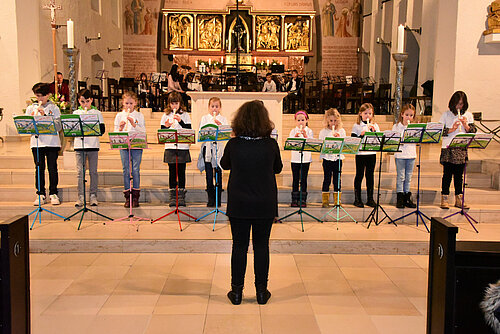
<point x="53" y="235"/>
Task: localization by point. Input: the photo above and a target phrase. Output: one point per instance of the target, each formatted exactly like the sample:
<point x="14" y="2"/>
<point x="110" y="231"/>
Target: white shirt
<point x="91" y="141"/>
<point x="269" y="86"/>
<point x="50" y="109"/>
<point x="210" y="146"/>
<point x="330" y="133"/>
<point x="140" y="125"/>
<point x="408" y="151"/>
<point x="307" y="157"/>
<point x="448" y="119"/>
<point x="170" y="117"/>
<point x="357" y="129"/>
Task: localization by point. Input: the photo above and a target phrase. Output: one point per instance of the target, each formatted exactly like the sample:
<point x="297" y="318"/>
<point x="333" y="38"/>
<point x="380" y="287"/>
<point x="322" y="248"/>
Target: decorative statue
<point x="493" y="18"/>
<point x="210" y="30"/>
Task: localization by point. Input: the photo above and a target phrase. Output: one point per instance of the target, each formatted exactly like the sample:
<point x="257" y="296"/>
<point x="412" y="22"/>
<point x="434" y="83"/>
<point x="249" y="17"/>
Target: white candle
<point x="401" y="38"/>
<point x="222" y="60"/>
<point x="267" y="62"/>
<point x="209" y="61"/>
<point x="196" y="63"/>
<point x="99" y="35"/>
<point x="255" y="60"/>
<point x="71" y="34"/>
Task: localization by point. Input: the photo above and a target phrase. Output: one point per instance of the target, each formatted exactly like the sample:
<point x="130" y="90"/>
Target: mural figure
<point x="129" y="20"/>
<point x="356" y="18"/>
<point x="268" y="28"/>
<point x="343" y="22"/>
<point x="329" y="12"/>
<point x="137" y="7"/>
<point x="148" y="23"/>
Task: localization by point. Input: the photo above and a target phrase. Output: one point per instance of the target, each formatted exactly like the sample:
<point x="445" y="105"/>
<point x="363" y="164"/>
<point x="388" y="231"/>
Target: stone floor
<point x="185" y="293"/>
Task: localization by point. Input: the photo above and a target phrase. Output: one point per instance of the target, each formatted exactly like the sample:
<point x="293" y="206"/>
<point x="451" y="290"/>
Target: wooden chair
<point x="114" y="95"/>
<point x="96" y="92"/>
<point x="383" y="99"/>
<point x="82" y="85"/>
<point x="353" y="96"/>
<point x="338" y="96"/>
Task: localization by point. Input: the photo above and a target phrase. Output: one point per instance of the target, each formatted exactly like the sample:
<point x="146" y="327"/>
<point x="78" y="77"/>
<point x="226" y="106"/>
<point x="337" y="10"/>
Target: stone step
<point x="482" y="213"/>
<point x="159" y="177"/>
<point x="157" y="195"/>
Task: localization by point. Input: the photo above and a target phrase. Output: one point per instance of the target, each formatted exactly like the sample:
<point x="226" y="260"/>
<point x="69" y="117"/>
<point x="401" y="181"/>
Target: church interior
<point x="340" y="266"/>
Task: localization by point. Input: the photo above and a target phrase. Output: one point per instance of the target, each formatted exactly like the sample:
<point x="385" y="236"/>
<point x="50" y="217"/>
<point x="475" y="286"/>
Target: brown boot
<point x="325" y="199"/>
<point x="337" y="198"/>
<point x="458" y="202"/>
<point x="126" y="194"/>
<point x="444" y="202"/>
<point x="136" y="193"/>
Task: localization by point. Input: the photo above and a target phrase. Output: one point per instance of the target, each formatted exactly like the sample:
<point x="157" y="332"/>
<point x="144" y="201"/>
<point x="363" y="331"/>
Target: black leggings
<point x="296" y="173"/>
<point x="261" y="230"/>
<point x="172" y="183"/>
<point x="331" y="172"/>
<point x="365" y="164"/>
<point x="452" y="170"/>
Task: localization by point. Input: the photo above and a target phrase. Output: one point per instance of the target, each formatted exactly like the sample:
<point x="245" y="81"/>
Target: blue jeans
<point x="136" y="157"/>
<point x="404" y="168"/>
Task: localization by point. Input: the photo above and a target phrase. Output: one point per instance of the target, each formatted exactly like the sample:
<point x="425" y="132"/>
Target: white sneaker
<point x="93" y="200"/>
<point x="41" y="197"/>
<point x="54" y="200"/>
<point x="79" y="201"/>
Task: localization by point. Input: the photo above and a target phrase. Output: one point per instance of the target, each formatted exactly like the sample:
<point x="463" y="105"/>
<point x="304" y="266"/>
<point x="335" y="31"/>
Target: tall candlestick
<point x="401" y="38"/>
<point x="71" y="34"/>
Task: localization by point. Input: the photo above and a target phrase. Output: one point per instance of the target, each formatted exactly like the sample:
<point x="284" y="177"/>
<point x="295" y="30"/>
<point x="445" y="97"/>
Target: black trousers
<point x="261" y="230"/>
<point x="365" y="164"/>
<point x="296" y="174"/>
<point x="452" y="170"/>
<point x="51" y="153"/>
<point x="181" y="175"/>
<point x="331" y="173"/>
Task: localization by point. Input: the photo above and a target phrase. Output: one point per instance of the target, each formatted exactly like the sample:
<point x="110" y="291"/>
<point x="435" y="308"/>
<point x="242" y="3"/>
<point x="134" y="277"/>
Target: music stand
<point x="469" y="140"/>
<point x="419" y="134"/>
<point x="213" y="134"/>
<point x="387" y="141"/>
<point x="37" y="125"/>
<point x="129" y="141"/>
<point x="176" y="136"/>
<point x="301" y="145"/>
<point x="85" y="125"/>
<point x="338" y="146"/>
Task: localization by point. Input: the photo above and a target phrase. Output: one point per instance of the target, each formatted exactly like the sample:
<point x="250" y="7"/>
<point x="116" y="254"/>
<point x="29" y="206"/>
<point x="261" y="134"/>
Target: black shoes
<point x="263" y="296"/>
<point x="371" y="203"/>
<point x="408" y="202"/>
<point x="236" y="294"/>
<point x="400" y="201"/>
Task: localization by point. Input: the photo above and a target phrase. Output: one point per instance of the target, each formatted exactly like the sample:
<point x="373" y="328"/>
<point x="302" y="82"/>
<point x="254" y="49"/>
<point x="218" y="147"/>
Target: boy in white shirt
<point x="48" y="145"/>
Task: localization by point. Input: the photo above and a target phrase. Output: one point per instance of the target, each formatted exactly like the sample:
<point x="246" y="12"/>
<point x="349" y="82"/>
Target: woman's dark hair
<point x="41" y="88"/>
<point x="85" y="93"/>
<point x="455" y="99"/>
<point x="252" y="120"/>
<point x="174" y="73"/>
<point x="143" y="74"/>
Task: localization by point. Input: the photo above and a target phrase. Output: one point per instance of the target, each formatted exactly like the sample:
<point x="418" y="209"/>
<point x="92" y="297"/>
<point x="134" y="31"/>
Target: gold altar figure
<point x="493" y="18"/>
<point x="180" y="32"/>
<point x="268" y="32"/>
<point x="209" y="32"/>
<point x="297" y="34"/>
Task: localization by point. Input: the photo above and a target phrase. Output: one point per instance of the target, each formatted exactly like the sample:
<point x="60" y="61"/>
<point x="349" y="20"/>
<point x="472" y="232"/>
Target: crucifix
<point x="53" y="7"/>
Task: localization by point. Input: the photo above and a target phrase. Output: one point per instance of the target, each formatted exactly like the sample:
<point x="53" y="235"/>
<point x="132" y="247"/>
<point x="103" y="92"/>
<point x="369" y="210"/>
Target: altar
<point x="231" y="101"/>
